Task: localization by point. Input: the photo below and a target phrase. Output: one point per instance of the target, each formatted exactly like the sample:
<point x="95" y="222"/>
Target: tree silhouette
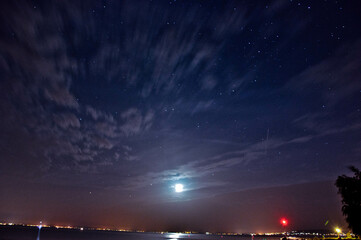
<point x="350" y="190"/>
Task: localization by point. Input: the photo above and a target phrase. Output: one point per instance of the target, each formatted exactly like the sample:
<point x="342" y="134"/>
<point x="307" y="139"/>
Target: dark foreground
<point x="31" y="233"/>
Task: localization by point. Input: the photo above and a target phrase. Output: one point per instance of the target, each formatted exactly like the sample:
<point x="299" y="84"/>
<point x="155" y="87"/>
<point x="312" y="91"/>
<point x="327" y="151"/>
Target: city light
<point x="172" y="235"/>
<point x="338" y="230"/>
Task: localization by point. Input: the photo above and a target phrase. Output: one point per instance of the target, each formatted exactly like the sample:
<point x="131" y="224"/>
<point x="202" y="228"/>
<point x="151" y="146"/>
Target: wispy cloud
<point x="335" y="78"/>
<point x="107" y="97"/>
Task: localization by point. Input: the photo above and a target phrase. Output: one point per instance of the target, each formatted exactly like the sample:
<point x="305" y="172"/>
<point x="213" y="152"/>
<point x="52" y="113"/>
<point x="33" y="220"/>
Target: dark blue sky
<point x="106" y="105"/>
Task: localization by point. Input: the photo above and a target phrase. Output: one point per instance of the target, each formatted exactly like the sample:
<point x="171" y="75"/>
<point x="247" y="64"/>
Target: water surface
<point x="29" y="233"/>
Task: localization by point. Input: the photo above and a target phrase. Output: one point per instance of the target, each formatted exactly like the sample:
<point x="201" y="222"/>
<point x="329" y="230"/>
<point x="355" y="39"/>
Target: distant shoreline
<point x="291" y="235"/>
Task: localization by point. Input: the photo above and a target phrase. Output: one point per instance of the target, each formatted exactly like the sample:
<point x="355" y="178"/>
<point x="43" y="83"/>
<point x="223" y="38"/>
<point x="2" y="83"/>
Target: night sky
<point x="254" y="106"/>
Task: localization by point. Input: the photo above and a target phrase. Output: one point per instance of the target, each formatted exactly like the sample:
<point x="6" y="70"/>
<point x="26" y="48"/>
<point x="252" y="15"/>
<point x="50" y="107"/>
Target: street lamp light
<point x="338" y="230"/>
<point x="40" y="226"/>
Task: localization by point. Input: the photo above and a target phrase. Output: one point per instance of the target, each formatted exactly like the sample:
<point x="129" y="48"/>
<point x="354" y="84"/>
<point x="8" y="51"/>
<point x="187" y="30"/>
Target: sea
<point x="31" y="233"/>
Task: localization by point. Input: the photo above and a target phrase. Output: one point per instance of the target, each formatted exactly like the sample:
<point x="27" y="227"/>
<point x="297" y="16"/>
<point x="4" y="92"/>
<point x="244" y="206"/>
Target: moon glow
<point x="178" y="188"/>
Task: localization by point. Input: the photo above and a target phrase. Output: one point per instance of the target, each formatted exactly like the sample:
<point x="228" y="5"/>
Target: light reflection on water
<point x="30" y="233"/>
<point x="174" y="236"/>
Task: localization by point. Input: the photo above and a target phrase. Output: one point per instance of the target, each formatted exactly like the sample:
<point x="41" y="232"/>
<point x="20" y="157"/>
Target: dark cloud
<point x="62" y="97"/>
<point x="135" y="122"/>
<point x="66" y="120"/>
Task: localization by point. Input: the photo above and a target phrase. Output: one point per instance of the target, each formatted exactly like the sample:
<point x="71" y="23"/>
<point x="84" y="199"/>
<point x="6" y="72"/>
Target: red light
<point x="284" y="222"/>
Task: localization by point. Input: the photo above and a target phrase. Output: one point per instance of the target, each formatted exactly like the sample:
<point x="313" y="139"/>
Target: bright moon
<point x="178" y="187"/>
